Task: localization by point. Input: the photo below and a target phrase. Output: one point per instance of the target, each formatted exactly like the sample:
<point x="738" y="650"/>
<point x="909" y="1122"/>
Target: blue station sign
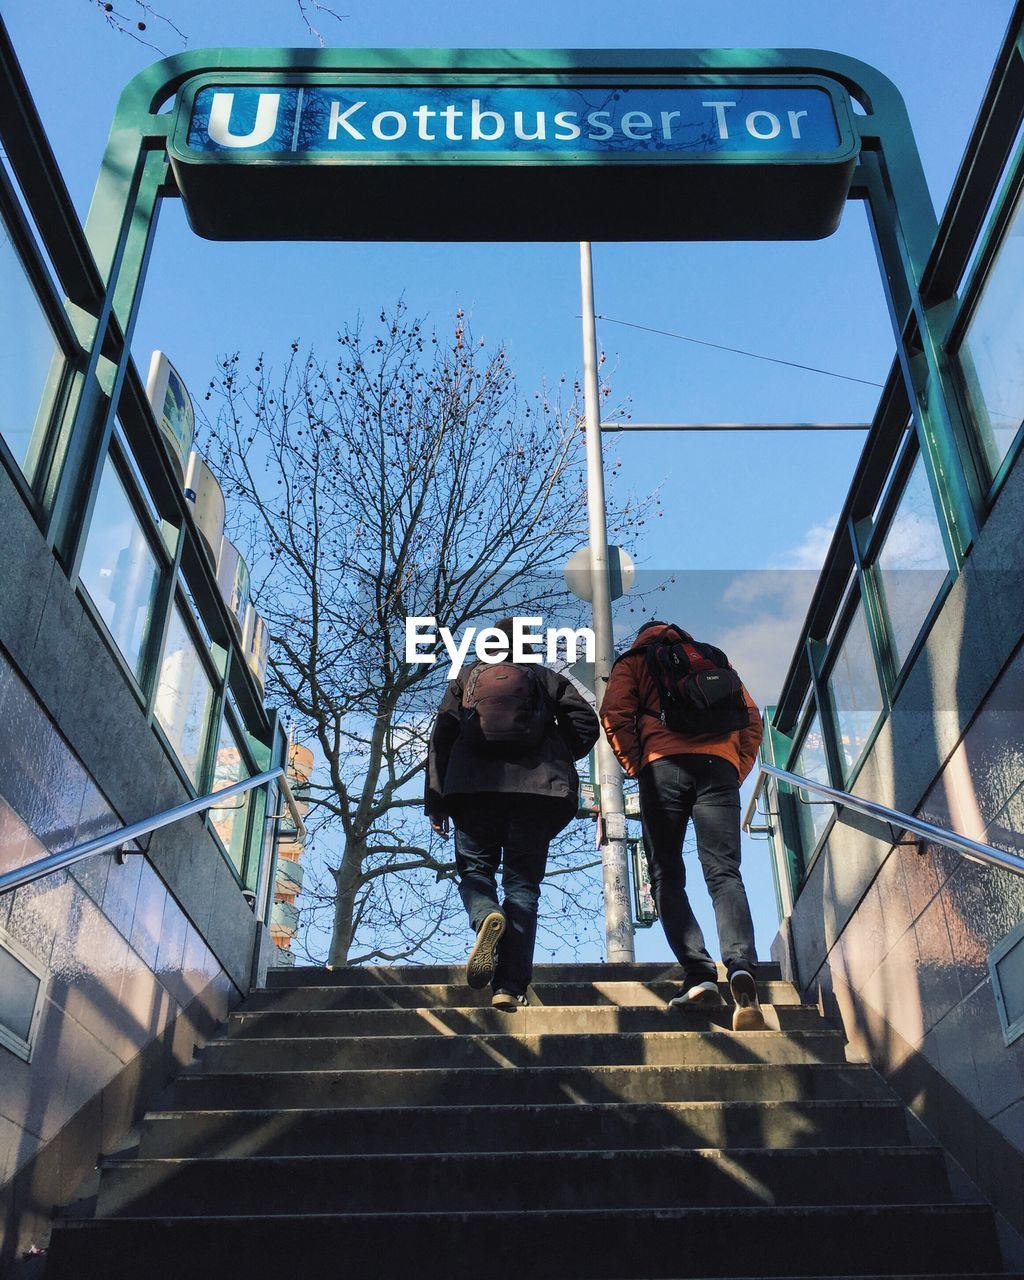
<point x="302" y="123"/>
<point x="523" y="157"/>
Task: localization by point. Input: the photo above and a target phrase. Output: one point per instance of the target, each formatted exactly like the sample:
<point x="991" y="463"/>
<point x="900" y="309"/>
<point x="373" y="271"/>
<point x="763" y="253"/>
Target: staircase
<point x="387" y="1122"/>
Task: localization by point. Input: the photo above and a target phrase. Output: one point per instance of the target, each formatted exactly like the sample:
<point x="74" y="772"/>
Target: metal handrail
<point x="899" y="821"/>
<point x="115" y="839"/>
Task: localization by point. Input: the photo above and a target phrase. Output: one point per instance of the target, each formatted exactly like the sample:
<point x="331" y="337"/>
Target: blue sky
<point x="743" y="503"/>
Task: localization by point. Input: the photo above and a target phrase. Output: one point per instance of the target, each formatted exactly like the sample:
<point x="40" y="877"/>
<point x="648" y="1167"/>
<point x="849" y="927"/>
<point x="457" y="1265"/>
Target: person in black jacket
<point x="506" y="803"/>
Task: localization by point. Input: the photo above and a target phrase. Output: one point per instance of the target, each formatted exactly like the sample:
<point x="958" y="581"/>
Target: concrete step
<point x="562" y="1245"/>
<point x="622" y="1125"/>
<point x="397" y="1053"/>
<point x="446" y="1182"/>
<point x="537" y="1020"/>
<point x="754" y="1082"/>
<point x="457" y="995"/>
<point x="400" y="975"/>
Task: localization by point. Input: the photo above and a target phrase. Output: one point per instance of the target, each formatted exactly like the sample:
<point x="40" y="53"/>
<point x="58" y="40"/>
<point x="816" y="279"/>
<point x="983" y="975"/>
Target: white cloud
<point x="810" y="551"/>
<point x="760" y="645"/>
<point x="773" y="603"/>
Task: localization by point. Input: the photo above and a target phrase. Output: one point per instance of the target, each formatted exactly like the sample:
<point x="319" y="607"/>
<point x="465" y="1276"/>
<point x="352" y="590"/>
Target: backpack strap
<point x="628" y="653"/>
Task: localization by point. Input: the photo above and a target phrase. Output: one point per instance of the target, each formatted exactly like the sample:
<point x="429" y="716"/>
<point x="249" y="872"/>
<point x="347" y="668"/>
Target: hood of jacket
<point x="668" y="629"/>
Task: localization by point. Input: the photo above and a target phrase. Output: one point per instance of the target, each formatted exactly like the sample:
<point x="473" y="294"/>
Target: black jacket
<point x="456" y="767"/>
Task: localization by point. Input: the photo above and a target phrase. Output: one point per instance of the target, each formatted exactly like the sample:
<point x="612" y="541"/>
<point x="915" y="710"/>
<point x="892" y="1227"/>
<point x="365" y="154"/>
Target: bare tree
<point x="404" y="478"/>
<point x="137" y="18"/>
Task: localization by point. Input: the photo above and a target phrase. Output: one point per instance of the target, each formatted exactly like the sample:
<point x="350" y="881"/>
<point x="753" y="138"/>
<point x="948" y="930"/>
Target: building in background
<point x="284" y="918"/>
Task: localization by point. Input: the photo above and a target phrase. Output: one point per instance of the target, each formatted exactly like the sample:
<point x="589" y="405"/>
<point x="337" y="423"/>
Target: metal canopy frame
<point x="983" y="196"/>
<point x="135" y="178"/>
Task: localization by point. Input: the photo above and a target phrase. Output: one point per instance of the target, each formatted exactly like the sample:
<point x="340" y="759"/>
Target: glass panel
<point x="911" y="565"/>
<point x="853" y="686"/>
<point x="19" y="988"/>
<point x="136" y="470"/>
<point x="1010" y="972"/>
<point x="810" y="763"/>
<point x="840" y="613"/>
<point x="275" y="802"/>
<point x="197" y="617"/>
<point x="1009" y="167"/>
<point x="897" y="458"/>
<point x="992" y="352"/>
<point x="119" y="569"/>
<point x="184" y="696"/>
<point x="30" y="361"/>
<point x="230" y="821"/>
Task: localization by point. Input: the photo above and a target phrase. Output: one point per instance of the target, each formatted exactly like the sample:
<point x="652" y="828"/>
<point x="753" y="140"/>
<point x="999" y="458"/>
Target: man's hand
<point x="439" y="823"/>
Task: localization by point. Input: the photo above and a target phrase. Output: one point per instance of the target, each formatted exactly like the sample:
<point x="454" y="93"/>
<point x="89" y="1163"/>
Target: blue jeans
<point x="673" y="790"/>
<point x="511" y="832"/>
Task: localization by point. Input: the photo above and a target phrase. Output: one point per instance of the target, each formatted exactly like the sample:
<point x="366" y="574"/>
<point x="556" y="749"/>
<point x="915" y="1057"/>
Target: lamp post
<point x="614" y="859"/>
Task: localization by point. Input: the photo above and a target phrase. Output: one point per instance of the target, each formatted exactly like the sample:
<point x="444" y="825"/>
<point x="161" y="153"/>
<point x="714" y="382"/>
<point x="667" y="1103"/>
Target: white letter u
<point x="220" y="121"/>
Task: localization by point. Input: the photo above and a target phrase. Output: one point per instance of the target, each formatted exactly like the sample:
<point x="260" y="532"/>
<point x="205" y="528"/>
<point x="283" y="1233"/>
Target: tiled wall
<point x="915" y="952"/>
<point x="122" y="961"/>
<point x="75" y="745"/>
<point x="908" y="969"/>
<point x="896" y="941"/>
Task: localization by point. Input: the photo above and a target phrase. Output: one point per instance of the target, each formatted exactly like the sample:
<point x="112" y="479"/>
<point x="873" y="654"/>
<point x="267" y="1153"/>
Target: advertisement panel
<point x="172" y="407"/>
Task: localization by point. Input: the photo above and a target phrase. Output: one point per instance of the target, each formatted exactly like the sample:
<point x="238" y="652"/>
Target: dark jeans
<point x="673" y="790"/>
<point x="513" y="832"/>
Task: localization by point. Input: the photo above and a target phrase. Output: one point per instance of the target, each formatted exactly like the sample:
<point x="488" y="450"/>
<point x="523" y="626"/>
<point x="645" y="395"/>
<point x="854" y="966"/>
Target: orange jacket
<point x="638" y="739"/>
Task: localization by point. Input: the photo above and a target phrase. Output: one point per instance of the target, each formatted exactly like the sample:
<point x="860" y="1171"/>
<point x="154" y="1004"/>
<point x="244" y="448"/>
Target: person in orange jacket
<point x="682" y="777"/>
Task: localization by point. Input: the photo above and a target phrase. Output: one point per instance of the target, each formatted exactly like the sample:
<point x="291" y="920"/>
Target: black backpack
<point x="699" y="693"/>
<point x="504" y="705"/>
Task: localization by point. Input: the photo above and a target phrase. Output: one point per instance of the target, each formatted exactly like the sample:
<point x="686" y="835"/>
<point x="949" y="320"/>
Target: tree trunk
<point x="346" y="879"/>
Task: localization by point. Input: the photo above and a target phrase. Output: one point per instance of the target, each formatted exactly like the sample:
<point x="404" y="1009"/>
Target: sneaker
<point x="480" y="965"/>
<point x="508" y="1001"/>
<point x="705" y="994"/>
<point x="747" y="1015"/>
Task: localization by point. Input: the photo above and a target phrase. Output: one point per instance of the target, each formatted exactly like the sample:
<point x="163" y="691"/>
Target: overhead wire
<point x="739" y="351"/>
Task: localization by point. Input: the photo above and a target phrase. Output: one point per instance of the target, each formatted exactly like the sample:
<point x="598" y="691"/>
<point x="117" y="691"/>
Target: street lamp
<point x="612" y="822"/>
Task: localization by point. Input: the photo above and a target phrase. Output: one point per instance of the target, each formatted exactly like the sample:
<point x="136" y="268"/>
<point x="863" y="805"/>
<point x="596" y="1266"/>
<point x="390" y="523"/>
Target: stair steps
<point x="387" y="1122"/>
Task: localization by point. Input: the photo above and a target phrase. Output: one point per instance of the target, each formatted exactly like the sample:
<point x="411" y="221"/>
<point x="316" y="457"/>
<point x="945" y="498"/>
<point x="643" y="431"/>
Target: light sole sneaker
<point x="747" y="1015"/>
<point x="508" y="1001"/>
<point x="480" y="965"/>
<point x="703" y="995"/>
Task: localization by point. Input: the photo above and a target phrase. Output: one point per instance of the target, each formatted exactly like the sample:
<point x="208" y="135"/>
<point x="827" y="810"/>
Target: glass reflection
<point x="853" y="688"/>
<point x="30" y="361"/>
<point x="811" y="763"/>
<point x="184" y="696"/>
<point x="119" y="569"/>
<point x="992" y="352"/>
<point x="911" y="566"/>
<point x="230" y="821"/>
